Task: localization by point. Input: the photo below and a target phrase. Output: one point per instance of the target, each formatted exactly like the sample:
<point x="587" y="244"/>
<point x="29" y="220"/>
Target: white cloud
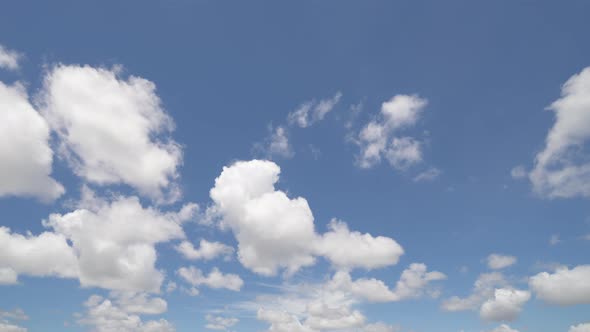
<point x="216" y="279"/>
<point x="346" y="249"/>
<point x="9" y="327"/>
<point x="112" y="130"/>
<point x="428" y="175"/>
<point x="274" y="231"/>
<point x="380" y="327"/>
<point x="9" y="59"/>
<point x="207" y="250"/>
<point x="220" y="323"/>
<point x="311" y="112"/>
<point x="483" y="289"/>
<point x="102" y="315"/>
<point x="139" y="303"/>
<point x="497" y="261"/>
<point x="281" y="321"/>
<point x="376" y="138"/>
<point x="47" y="254"/>
<point x="6" y="318"/>
<point x="24" y="148"/>
<point x="564" y="286"/>
<point x="115" y="242"/>
<point x="503" y="328"/>
<point x="562" y="169"/>
<point x="584" y="327"/>
<point x="554" y="239"/>
<point x="506" y="304"/>
<point x="279" y="143"/>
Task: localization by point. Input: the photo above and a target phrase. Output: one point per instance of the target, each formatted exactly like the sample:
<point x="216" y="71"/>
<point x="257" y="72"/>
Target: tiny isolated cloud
<point x="380" y="137"/>
<point x="518" y="172"/>
<point x="497" y="261"/>
<point x="9" y="59"/>
<point x="561" y="169"/>
<point x="313" y="111"/>
<point x="428" y="175"/>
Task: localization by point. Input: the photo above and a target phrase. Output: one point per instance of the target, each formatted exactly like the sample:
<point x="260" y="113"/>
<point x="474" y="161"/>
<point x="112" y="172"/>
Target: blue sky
<point x="369" y="166"/>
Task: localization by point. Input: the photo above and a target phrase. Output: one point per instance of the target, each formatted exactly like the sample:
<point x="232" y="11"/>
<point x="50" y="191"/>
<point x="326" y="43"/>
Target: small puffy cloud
<point x="281" y="321"/>
<point x="377" y="139"/>
<point x="112" y="130"/>
<point x="506" y="304"/>
<point x="139" y="303"/>
<point x="584" y="327"/>
<point x="311" y="112"/>
<point x="325" y="317"/>
<point x="498" y="262"/>
<point x="346" y="249"/>
<point x="220" y="323"/>
<point x="206" y="251"/>
<point x="103" y="315"/>
<point x="428" y="175"/>
<point x="564" y="286"/>
<point x="483" y="289"/>
<point x="562" y="168"/>
<point x="216" y="279"/>
<point x="24" y="148"/>
<point x="503" y="328"/>
<point x="9" y="59"/>
<point x="380" y="327"/>
<point x="279" y="143"/>
<point x="9" y="327"/>
<point x="277" y="232"/>
<point x="518" y="172"/>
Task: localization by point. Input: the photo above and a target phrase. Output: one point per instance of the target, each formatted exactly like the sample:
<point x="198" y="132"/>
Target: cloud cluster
<point x="220" y="323"/>
<point x="313" y="111"/>
<point x="379" y="138"/>
<point x="274" y="231"/>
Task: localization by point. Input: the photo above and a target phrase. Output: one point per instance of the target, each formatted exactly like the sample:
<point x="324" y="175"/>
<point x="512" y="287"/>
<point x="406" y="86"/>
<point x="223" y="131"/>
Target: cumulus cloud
<point x="115" y="242"/>
<point x="139" y="303"/>
<point x="24" y="148"/>
<point x="7" y="319"/>
<point x="9" y="59"/>
<point x="506" y="304"/>
<point x="103" y="315"/>
<point x="564" y="286"/>
<point x="483" y="289"/>
<point x="377" y="138"/>
<point x="9" y="327"/>
<point x="220" y="323"/>
<point x="503" y="328"/>
<point x="562" y="168"/>
<point x="206" y="251"/>
<point x="518" y="172"/>
<point x="274" y="231"/>
<point x="584" y="327"/>
<point x="215" y="279"/>
<point x="380" y="327"/>
<point x="111" y="129"/>
<point x="498" y="262"/>
<point x="311" y="112"/>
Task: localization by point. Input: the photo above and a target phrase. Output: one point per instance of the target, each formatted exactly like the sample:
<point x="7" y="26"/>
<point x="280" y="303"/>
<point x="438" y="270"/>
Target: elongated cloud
<point x="24" y="148"/>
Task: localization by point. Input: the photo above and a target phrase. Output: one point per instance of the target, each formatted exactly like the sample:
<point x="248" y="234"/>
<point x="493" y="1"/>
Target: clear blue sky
<point x="458" y="176"/>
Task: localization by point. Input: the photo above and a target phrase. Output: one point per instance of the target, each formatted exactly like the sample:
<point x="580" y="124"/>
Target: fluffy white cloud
<point x="9" y="327"/>
<point x="278" y="144"/>
<point x="220" y="323"/>
<point x="483" y="289"/>
<point x="24" y="148"/>
<point x="281" y="321"/>
<point x="506" y="304"/>
<point x="6" y="318"/>
<point x="47" y="254"/>
<point x="325" y="317"/>
<point x="584" y="327"/>
<point x="503" y="328"/>
<point x="207" y="250"/>
<point x="274" y="231"/>
<point x="139" y="303"/>
<point x="102" y="315"/>
<point x="564" y="286"/>
<point x="111" y="129"/>
<point x="115" y="241"/>
<point x="9" y="59"/>
<point x="380" y="327"/>
<point x="562" y="169"/>
<point x="376" y="138"/>
<point x="498" y="262"/>
<point x="311" y="112"/>
<point x="215" y="279"/>
<point x="346" y="249"/>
